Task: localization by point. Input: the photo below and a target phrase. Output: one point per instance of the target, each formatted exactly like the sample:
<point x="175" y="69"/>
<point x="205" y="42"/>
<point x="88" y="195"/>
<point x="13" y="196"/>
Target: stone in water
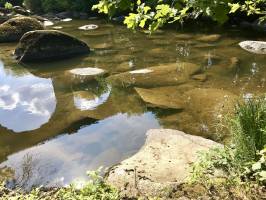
<point x="87" y="71"/>
<point x="258" y="47"/>
<point x="141" y="71"/>
<point x="48" y="23"/>
<point x="88" y="27"/>
<point x="66" y="20"/>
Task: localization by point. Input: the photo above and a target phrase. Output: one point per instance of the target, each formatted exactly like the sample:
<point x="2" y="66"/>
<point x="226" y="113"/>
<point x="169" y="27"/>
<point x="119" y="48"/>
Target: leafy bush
<point x="154" y="14"/>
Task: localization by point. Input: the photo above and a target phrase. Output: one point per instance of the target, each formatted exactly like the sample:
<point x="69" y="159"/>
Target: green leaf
<point x="234" y="7"/>
<point x="256" y="166"/>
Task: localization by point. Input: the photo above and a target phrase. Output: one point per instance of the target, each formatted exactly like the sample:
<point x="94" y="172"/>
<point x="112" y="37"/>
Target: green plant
<point x="257" y="170"/>
<point x="244" y="160"/>
<point x="248" y="128"/>
<point x="8" y="6"/>
<point x="250" y="7"/>
<point x="154" y="14"/>
<point x="210" y="162"/>
<point x="95" y="189"/>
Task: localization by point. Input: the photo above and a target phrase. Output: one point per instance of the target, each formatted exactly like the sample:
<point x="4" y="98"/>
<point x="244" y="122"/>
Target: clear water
<point x="53" y="130"/>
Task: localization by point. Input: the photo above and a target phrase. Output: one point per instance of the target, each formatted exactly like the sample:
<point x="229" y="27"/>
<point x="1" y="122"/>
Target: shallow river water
<point x="53" y="130"/>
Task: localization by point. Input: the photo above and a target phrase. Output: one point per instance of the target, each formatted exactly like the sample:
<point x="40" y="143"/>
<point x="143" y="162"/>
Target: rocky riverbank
<point x="162" y="165"/>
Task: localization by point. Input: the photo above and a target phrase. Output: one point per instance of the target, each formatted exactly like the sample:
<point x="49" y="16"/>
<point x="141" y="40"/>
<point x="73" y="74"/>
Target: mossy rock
<point x="13" y="29"/>
<point x="49" y="45"/>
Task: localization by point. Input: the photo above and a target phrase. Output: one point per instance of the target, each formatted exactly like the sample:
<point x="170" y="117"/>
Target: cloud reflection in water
<point x="68" y="157"/>
<point x="92" y="102"/>
<point x="26" y="101"/>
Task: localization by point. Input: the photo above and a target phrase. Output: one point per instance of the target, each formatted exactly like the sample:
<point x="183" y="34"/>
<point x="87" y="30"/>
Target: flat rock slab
<point x="162" y="75"/>
<point x="49" y="45"/>
<point x="83" y="75"/>
<point x="88" y="71"/>
<point x="258" y="47"/>
<point x="162" y="97"/>
<point x="163" y="162"/>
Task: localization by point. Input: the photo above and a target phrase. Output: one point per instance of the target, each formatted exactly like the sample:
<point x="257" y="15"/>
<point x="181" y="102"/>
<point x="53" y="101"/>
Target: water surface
<point x="53" y="129"/>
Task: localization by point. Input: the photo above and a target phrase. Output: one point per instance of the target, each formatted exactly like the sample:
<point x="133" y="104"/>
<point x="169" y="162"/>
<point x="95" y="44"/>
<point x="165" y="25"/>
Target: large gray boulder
<point x="163" y="162"/>
<point x="49" y="45"/>
<point x="13" y="29"/>
<point x="258" y="47"/>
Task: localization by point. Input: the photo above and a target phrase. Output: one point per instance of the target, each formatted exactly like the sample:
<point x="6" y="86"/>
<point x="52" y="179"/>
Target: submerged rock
<point x="66" y="20"/>
<point x="209" y="38"/>
<point x="200" y="77"/>
<point x="234" y="64"/>
<point x="49" y="45"/>
<point x="57" y="27"/>
<point x="163" y="75"/>
<point x="124" y="66"/>
<point x="258" y="47"/>
<point x="163" y="97"/>
<point x="163" y="163"/>
<point x="209" y="107"/>
<point x="13" y="29"/>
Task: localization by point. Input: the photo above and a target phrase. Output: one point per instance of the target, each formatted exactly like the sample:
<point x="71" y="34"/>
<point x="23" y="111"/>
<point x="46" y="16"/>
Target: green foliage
<point x="8" y="6"/>
<point x="216" y="159"/>
<point x="257" y="170"/>
<point x="95" y="189"/>
<point x="154" y="14"/>
<point x="244" y="160"/>
<point x="249" y="128"/>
